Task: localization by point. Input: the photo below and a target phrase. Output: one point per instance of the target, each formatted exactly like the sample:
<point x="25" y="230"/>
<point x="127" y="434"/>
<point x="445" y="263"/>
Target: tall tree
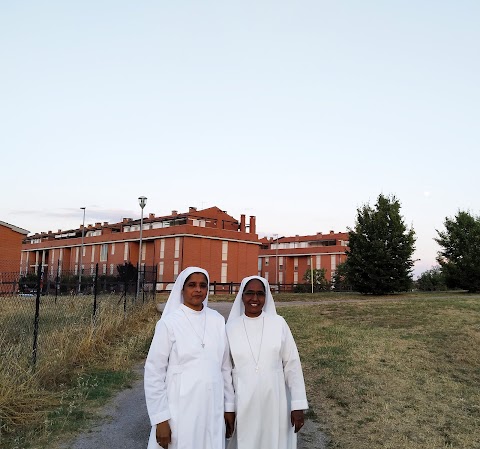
<point x="379" y="260"/>
<point x="460" y="256"/>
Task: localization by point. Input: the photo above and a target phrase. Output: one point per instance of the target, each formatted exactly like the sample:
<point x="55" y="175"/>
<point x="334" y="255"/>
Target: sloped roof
<point x="14" y="228"/>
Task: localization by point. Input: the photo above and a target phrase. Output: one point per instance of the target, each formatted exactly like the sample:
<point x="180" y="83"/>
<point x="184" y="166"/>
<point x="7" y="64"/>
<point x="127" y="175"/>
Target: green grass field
<point x="400" y="371"/>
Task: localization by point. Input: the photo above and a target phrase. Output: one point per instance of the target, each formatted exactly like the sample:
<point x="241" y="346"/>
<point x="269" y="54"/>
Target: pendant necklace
<point x="204" y="327"/>
<point x="256" y="360"/>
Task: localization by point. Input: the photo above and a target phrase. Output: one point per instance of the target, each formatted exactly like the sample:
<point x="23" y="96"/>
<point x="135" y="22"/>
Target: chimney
<point x="151" y="216"/>
<point x="59" y="231"/>
<point x="174" y="213"/>
<point x="252" y="225"/>
<point x="332" y="232"/>
<point x="192" y="209"/>
<point x="105" y="223"/>
<point x="242" y="223"/>
<point x="126" y="220"/>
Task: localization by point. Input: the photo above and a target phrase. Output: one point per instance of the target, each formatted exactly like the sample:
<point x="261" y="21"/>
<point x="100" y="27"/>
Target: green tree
<point x="320" y="282"/>
<point x="460" y="256"/>
<point x="431" y="280"/>
<point x="340" y="281"/>
<point x="379" y="259"/>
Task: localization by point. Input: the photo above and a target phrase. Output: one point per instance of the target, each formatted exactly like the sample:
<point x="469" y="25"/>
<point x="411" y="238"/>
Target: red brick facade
<point x="209" y="238"/>
<point x="285" y="260"/>
<point x="11" y="238"/>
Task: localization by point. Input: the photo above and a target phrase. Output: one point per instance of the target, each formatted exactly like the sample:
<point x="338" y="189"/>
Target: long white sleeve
<point x="155" y="374"/>
<point x="229" y="393"/>
<point x="292" y="369"/>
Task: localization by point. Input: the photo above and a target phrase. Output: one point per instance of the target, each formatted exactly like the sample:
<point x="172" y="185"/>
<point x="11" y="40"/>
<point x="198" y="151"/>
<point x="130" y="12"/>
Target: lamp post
<point x="81" y="253"/>
<point x="142" y="201"/>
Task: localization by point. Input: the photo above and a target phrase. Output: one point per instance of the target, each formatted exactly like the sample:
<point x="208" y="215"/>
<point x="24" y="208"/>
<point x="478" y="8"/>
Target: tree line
<point x="380" y="256"/>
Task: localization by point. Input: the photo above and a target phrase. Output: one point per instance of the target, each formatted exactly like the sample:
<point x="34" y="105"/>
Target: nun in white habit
<point x="188" y="383"/>
<point x="268" y="379"/>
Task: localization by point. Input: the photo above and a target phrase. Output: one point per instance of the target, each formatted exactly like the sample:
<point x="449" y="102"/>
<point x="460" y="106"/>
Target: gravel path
<point x="124" y="424"/>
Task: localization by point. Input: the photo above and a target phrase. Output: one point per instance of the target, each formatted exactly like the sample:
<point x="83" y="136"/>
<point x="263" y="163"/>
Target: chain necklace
<point x="204" y="327"/>
<point x="256" y="360"/>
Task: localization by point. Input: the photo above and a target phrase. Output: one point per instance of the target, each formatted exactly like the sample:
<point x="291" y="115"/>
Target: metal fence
<point x="36" y="307"/>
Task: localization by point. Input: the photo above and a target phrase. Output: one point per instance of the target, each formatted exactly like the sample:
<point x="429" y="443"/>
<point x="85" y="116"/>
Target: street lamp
<point x="142" y="201"/>
<point x="81" y="252"/>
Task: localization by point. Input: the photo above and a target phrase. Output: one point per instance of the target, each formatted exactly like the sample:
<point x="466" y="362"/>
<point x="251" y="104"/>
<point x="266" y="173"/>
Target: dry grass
<point x="393" y="374"/>
<point x="78" y="359"/>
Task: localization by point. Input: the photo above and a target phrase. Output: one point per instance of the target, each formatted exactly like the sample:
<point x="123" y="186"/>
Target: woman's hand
<point x="163" y="434"/>
<point x="296" y="418"/>
<point x="229" y="423"/>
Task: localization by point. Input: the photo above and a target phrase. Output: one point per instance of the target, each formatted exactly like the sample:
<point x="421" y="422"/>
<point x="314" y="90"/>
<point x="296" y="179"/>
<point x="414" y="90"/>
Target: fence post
<point x="57" y="280"/>
<point x="37" y="315"/>
<point x="95" y="283"/>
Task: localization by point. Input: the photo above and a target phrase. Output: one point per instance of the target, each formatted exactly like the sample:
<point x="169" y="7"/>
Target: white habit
<point x="267" y="377"/>
<point x="187" y="384"/>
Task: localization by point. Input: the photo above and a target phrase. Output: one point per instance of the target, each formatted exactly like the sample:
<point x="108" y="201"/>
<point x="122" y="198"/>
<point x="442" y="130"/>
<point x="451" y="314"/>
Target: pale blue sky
<point x="297" y="112"/>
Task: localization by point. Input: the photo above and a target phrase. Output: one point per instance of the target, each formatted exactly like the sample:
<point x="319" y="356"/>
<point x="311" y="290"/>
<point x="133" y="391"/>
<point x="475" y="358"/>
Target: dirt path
<point x="124" y="423"/>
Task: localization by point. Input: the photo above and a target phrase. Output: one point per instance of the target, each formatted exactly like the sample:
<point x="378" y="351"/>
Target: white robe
<point x="186" y="384"/>
<point x="265" y="398"/>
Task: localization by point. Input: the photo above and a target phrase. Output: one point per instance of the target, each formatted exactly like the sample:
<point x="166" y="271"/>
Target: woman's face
<point x="195" y="291"/>
<point x="254" y="298"/>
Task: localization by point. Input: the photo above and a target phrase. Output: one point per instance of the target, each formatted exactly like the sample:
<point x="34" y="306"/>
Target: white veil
<point x="238" y="309"/>
<point x="176" y="297"/>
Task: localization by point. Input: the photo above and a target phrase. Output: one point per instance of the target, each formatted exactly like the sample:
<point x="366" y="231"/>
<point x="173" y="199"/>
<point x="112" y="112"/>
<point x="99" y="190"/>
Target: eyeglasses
<point x="249" y="294"/>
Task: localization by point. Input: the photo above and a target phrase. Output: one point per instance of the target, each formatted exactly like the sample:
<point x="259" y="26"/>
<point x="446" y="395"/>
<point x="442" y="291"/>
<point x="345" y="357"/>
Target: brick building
<point x="210" y="238"/>
<point x="11" y="238"/>
<point x="285" y="260"/>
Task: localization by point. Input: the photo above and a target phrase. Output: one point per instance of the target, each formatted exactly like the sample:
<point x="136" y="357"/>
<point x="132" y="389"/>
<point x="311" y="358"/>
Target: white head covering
<point x="176" y="296"/>
<point x="238" y="308"/>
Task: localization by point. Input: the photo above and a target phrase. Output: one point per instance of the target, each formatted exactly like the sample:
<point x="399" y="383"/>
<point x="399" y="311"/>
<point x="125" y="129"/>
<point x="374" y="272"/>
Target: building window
<point x="224" y="251"/>
<point x="267" y="260"/>
<point x="104" y="268"/>
<point x="318" y="264"/>
<point x="77" y="253"/>
<point x="144" y="250"/>
<point x="175" y="269"/>
<point x="113" y="249"/>
<point x="112" y="268"/>
<point x="224" y="273"/>
<point x="93" y="254"/>
<point x="103" y="253"/>
<point x="177" y="248"/>
<point x="295" y="277"/>
<point x="333" y="261"/>
<point x="266" y="275"/>
<point x="125" y="251"/>
<point x="160" y="271"/>
<point x="162" y="248"/>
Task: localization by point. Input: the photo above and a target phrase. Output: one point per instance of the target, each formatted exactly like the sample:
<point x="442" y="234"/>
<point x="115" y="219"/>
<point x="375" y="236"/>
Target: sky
<point x="298" y="112"/>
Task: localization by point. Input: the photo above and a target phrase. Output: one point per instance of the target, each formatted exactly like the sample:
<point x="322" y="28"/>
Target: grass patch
<point x="383" y="373"/>
<point x="81" y="363"/>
